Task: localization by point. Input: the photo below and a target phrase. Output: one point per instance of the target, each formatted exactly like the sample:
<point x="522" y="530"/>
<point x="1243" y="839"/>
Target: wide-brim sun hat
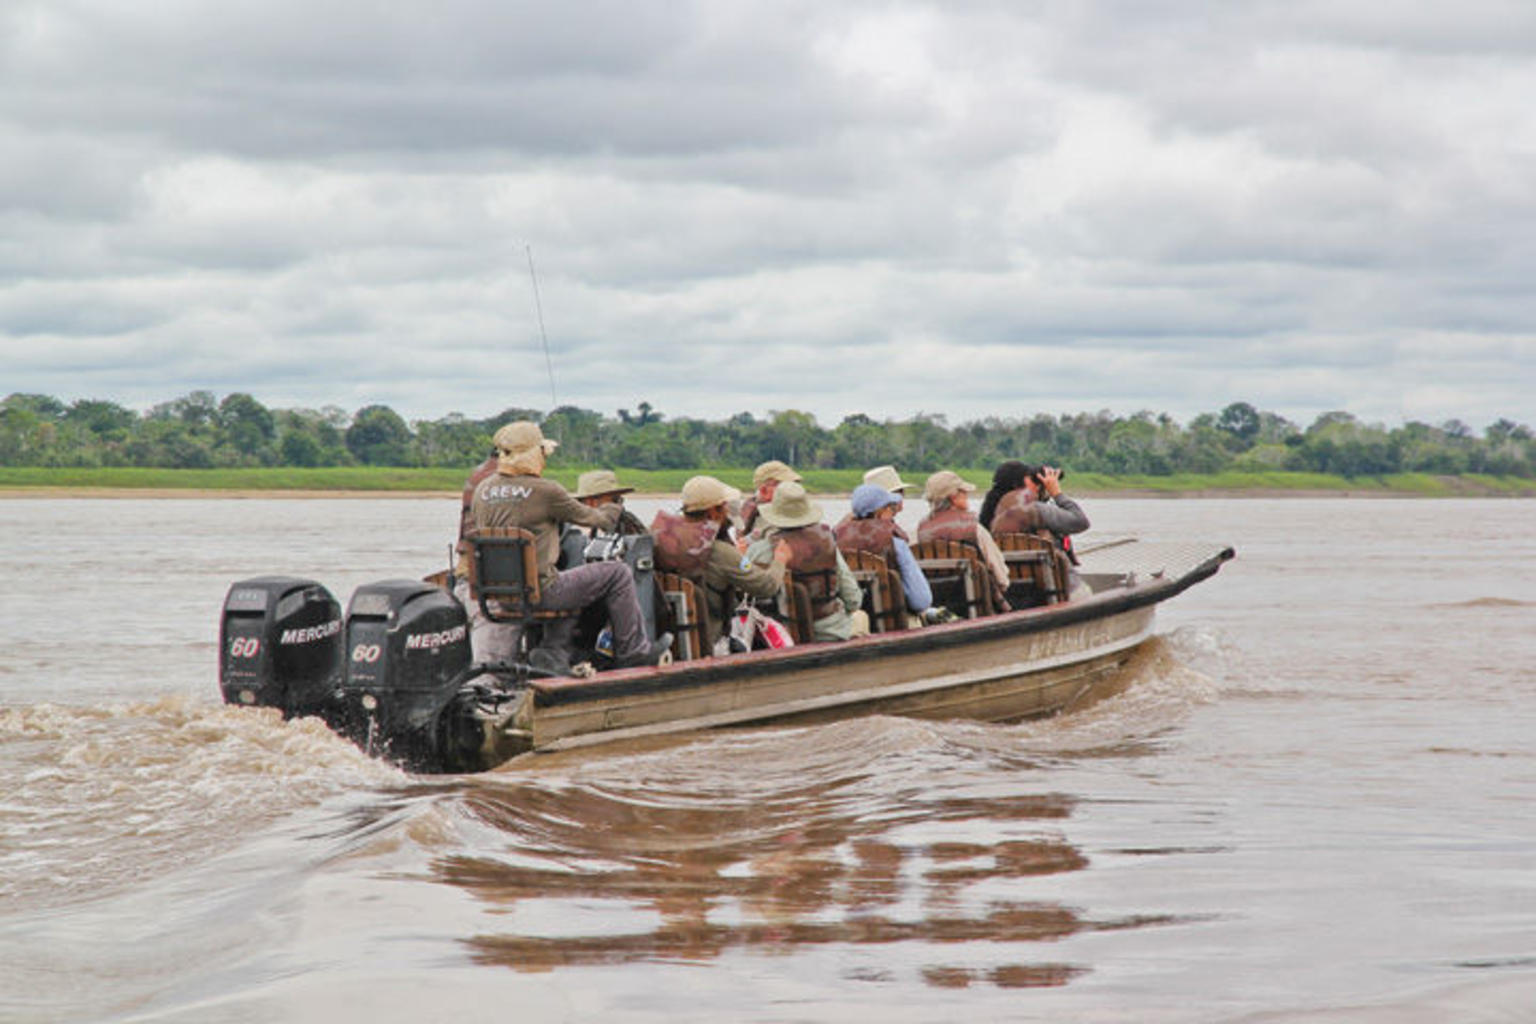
<point x="521" y="436"/>
<point x="790" y="507"/>
<point x="944" y="484"/>
<point x="599" y="482"/>
<point x="705" y="492"/>
<point x="888" y="478"/>
<point x="773" y="469"/>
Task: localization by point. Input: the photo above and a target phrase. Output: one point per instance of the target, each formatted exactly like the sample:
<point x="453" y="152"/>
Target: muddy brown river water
<point x="1315" y="800"/>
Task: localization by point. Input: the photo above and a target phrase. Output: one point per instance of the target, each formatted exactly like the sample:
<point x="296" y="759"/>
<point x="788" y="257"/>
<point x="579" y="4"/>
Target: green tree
<point x="791" y="434"/>
<point x="579" y="431"/>
<point x="1239" y="421"/>
<point x="248" y="428"/>
<point x="109" y="421"/>
<point x="307" y="437"/>
<point x="451" y="441"/>
<point x="379" y="437"/>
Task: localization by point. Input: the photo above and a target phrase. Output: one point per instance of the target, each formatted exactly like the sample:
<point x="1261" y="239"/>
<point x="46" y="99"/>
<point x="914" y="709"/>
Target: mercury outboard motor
<point x="279" y="644"/>
<point x="407" y="655"/>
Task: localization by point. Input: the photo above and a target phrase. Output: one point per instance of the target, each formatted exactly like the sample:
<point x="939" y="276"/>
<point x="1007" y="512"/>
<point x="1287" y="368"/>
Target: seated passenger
<point x="601" y="486"/>
<point x="950" y="518"/>
<point x="886" y="478"/>
<point x="793" y="518"/>
<point x="1028" y="499"/>
<point x="765" y="478"/>
<point x="697" y="545"/>
<point x="872" y="527"/>
<point x="518" y="495"/>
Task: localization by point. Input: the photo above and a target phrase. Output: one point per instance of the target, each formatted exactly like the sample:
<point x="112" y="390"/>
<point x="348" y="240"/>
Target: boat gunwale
<point x="756" y="664"/>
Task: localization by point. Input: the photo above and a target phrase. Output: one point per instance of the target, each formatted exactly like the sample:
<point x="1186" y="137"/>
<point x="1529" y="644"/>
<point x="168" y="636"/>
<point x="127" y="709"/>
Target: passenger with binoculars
<point x="1028" y="499"/>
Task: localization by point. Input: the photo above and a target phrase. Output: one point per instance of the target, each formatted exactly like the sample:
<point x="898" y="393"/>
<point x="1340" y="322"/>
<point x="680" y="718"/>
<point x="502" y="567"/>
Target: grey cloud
<point x="591" y="79"/>
<point x="966" y="209"/>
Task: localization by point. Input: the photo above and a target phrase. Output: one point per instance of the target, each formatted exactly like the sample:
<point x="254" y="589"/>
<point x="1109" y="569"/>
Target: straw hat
<point x="790" y="507"/>
<point x="598" y="483"/>
<point x="886" y="477"/>
<point x="944" y="484"/>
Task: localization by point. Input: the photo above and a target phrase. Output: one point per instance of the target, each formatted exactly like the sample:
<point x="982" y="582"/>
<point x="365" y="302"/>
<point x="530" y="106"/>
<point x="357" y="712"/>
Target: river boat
<point x="402" y="689"/>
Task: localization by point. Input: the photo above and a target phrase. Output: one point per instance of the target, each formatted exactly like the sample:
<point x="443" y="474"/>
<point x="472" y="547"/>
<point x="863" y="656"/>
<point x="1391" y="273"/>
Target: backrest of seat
<point x="957" y="575"/>
<point x="795" y="610"/>
<point x="504" y="568"/>
<point x="689" y="616"/>
<point x="1036" y="567"/>
<point x="884" y="598"/>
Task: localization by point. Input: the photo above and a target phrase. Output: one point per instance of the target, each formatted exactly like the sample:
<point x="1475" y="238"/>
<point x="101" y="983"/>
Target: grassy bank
<point x="828" y="481"/>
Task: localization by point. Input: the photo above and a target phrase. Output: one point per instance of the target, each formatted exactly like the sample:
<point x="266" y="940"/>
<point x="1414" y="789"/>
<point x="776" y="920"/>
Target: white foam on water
<point x="99" y="798"/>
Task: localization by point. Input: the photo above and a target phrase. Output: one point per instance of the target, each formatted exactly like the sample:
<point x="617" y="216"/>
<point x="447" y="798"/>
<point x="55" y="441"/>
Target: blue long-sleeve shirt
<point x="913" y="582"/>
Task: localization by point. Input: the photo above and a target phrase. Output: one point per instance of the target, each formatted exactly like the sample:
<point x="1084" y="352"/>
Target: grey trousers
<point x="609" y="582"/>
<point x="488" y="641"/>
<point x="614" y="585"/>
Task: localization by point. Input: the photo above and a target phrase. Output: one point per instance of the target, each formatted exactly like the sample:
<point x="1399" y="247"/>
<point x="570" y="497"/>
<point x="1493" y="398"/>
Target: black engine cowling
<point x="407" y="654"/>
<point x="280" y="644"/>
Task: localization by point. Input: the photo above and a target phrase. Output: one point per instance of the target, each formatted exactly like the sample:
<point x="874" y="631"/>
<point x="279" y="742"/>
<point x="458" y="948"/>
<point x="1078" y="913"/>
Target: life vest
<point x="1016" y="513"/>
<point x="949" y="523"/>
<point x="873" y="535"/>
<point x="683" y="544"/>
<point x="813" y="560"/>
<point x="466" y="515"/>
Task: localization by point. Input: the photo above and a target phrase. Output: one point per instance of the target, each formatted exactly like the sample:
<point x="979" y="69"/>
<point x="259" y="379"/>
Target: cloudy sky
<point x="967" y="208"/>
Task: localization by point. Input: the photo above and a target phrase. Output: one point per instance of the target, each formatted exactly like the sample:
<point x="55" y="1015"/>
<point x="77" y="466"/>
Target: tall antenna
<point x="539" y="307"/>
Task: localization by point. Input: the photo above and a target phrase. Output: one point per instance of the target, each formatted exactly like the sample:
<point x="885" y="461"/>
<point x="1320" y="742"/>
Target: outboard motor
<point x="407" y="655"/>
<point x="279" y="644"/>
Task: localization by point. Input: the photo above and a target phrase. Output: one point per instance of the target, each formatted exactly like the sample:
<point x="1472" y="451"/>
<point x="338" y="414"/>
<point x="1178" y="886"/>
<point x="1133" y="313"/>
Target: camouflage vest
<point x="466" y="518"/>
<point x="813" y="560"/>
<point x="949" y="523"/>
<point x="683" y="544"/>
<point x="1015" y="513"/>
<point x="872" y="535"/>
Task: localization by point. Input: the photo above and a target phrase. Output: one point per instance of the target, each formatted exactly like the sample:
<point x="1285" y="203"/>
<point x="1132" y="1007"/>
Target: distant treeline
<point x="200" y="431"/>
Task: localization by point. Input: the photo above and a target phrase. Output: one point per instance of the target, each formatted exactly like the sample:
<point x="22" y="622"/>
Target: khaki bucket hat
<point x="702" y="492"/>
<point x="944" y="484"/>
<point x="887" y="478"/>
<point x="773" y="469"/>
<point x="790" y="507"/>
<point x="521" y="436"/>
<point x="598" y="483"/>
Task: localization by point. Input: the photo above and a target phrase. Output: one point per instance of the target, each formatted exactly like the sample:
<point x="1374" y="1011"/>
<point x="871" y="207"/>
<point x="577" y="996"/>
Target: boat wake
<point x="99" y="798"/>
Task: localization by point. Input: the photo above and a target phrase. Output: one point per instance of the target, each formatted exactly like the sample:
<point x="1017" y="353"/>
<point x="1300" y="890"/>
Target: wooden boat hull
<point x="1019" y="665"/>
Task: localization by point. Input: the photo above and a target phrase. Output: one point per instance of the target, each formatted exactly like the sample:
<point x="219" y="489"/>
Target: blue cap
<point x="868" y="499"/>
